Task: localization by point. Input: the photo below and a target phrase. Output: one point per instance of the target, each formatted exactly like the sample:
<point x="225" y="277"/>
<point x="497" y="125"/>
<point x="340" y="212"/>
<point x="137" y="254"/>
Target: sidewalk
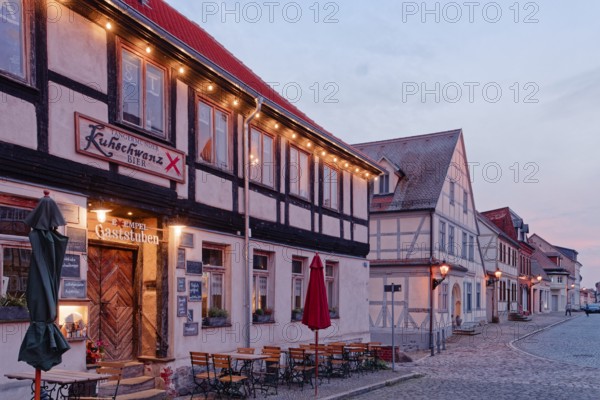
<point x="494" y="338"/>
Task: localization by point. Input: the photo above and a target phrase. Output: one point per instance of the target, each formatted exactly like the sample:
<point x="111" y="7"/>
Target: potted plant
<point x="14" y="308"/>
<point x="263" y="315"/>
<point x="297" y="314"/>
<point x="217" y="316"/>
<point x="333" y="312"/>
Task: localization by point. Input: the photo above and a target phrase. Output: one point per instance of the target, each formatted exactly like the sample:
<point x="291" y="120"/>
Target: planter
<point x="262" y="318"/>
<point x="297" y="316"/>
<point x="333" y="314"/>
<point x="217" y="321"/>
<point x="14" y="313"/>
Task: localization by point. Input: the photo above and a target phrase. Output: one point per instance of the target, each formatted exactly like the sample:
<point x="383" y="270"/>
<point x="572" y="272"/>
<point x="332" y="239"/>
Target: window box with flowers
<point x="262" y="316"/>
<point x="216" y="317"/>
<point x="297" y="314"/>
<point x="333" y="312"/>
<point x="13" y="308"/>
<point x="94" y="351"/>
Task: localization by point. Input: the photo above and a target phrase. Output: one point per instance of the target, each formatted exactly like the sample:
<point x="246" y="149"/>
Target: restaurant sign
<point x="126" y="231"/>
<point x="110" y="143"/>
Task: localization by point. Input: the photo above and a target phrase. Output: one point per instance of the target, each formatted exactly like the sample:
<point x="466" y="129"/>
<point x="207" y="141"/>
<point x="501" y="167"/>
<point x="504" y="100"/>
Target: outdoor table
<point x="60" y="383"/>
<point x="248" y="365"/>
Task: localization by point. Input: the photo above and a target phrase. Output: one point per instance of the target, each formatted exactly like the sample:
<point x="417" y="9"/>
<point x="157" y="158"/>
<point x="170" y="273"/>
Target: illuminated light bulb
<point x="251" y="156"/>
<point x="129" y="213"/>
<point x="367" y="174"/>
<point x="276" y="126"/>
<point x="323" y="153"/>
<point x="210" y="87"/>
<point x="376" y="178"/>
<point x="257" y="115"/>
<point x="181" y="70"/>
<point x="308" y="144"/>
<point x="101" y="214"/>
<point x="148" y="49"/>
<point x="293" y="136"/>
<point x="236" y="102"/>
<point x="108" y="26"/>
<point x="356" y="170"/>
<point x="334" y="159"/>
<point x="346" y="165"/>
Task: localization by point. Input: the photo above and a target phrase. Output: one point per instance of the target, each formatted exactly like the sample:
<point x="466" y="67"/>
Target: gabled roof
<point x="503" y="219"/>
<point x="545" y="263"/>
<point x="424" y="160"/>
<point x="569" y="253"/>
<point x="180" y="31"/>
<point x="536" y="270"/>
<point x="494" y="228"/>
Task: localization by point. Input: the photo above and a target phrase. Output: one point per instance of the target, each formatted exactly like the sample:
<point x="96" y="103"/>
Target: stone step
<point x="133" y="369"/>
<point x="127" y="386"/>
<point x="152" y="394"/>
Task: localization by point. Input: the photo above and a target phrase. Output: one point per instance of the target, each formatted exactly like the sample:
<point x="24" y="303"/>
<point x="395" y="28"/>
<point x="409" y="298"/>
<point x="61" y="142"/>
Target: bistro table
<point x="60" y="383"/>
<point x="248" y="363"/>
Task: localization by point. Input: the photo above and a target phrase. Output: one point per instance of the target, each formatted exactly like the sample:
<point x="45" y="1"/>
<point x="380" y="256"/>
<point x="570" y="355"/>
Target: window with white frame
<point x="331" y="284"/>
<point x="214" y="138"/>
<point x="452" y="188"/>
<point x="13" y="31"/>
<point x="502" y="291"/>
<point x="471" y="248"/>
<point x="330" y="187"/>
<point x="299" y="173"/>
<point x="443" y="297"/>
<point x="450" y="240"/>
<point x="16" y="258"/>
<point x="463" y="250"/>
<point x="298" y="287"/>
<point x="261" y="298"/>
<point x="213" y="278"/>
<point x="465" y="202"/>
<point x="514" y="292"/>
<point x="382" y="185"/>
<point x="478" y="295"/>
<point x="468" y="296"/>
<point x="442" y="236"/>
<point x="261" y="158"/>
<point x="142" y="92"/>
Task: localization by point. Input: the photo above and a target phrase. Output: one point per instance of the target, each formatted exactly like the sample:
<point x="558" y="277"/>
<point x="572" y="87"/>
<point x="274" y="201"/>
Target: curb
<point x="512" y="345"/>
<point x="374" y="386"/>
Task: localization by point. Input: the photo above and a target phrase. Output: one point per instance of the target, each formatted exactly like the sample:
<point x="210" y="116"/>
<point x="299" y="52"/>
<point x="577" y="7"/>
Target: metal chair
<point x="204" y="378"/>
<point x="269" y="378"/>
<point x="300" y="370"/>
<point x="115" y="371"/>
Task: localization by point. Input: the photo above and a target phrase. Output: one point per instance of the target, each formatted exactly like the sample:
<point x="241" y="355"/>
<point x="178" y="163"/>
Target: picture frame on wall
<point x="182" y="306"/>
<point x="186" y="240"/>
<point x="180" y="285"/>
<point x="180" y="258"/>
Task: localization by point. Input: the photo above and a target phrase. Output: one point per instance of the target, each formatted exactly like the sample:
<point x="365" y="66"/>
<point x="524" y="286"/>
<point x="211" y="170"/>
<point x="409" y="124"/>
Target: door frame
<point x="137" y="285"/>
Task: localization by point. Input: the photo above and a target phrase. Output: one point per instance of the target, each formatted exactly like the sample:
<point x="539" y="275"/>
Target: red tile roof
<point x="169" y="19"/>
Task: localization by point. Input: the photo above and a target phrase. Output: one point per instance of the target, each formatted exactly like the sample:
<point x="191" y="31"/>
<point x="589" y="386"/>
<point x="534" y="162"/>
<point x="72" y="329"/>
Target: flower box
<point x="14" y="313"/>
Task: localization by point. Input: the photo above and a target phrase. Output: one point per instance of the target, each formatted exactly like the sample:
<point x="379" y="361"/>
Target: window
<point x="261" y="158"/>
<point x="468" y="296"/>
<point x="451" y="240"/>
<point x="298" y="282"/>
<point x="463" y="251"/>
<point x="465" y="202"/>
<point x="261" y="298"/>
<point x="443" y="297"/>
<point x="331" y="284"/>
<point x="213" y="278"/>
<point x="384" y="184"/>
<point x="513" y="292"/>
<point x="299" y="173"/>
<point x="13" y="46"/>
<point x="213" y="136"/>
<point x="452" y="184"/>
<point x="502" y="291"/>
<point x="559" y="279"/>
<point x="471" y="248"/>
<point x="442" y="238"/>
<point x="142" y="93"/>
<point x="330" y="187"/>
<point x="478" y="295"/>
<point x="15" y="267"/>
<point x="12" y="221"/>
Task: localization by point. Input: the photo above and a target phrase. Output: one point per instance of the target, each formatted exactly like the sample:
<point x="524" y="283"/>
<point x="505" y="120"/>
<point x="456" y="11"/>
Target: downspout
<point x="246" y="167"/>
<point x="431" y="282"/>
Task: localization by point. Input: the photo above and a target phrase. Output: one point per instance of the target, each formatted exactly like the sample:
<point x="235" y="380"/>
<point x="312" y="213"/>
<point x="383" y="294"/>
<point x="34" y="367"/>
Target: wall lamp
<point x="497" y="276"/>
<point x="444" y="268"/>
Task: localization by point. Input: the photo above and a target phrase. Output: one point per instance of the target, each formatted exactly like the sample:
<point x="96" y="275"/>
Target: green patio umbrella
<point x="44" y="344"/>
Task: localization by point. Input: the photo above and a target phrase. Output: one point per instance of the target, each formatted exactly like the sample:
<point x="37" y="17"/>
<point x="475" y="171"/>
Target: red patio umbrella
<point x="316" y="308"/>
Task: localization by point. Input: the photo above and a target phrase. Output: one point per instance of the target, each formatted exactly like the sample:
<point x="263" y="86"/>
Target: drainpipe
<point x="246" y="167"/>
<point x="431" y="283"/>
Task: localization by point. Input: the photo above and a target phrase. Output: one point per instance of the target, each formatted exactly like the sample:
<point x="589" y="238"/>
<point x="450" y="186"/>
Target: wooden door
<point x="112" y="295"/>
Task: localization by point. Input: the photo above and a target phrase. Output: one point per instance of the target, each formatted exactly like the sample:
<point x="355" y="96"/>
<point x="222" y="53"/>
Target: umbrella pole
<point x="317" y="363"/>
<point x="38" y="383"/>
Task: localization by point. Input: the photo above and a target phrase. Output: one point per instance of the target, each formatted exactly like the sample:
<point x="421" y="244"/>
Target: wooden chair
<point x="269" y="378"/>
<point x="115" y="371"/>
<point x="338" y="361"/>
<point x="246" y="350"/>
<point x="203" y="373"/>
<point x="227" y="382"/>
<point x="300" y="370"/>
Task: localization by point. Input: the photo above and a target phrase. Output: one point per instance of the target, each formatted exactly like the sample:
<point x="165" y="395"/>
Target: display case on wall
<point x="73" y="319"/>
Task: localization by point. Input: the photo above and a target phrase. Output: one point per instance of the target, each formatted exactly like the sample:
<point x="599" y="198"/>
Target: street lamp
<point x="434" y="283"/>
<point x="492" y="281"/>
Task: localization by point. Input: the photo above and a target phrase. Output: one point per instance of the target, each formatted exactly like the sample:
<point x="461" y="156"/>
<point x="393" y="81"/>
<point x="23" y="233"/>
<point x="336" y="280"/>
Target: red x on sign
<point x="173" y="163"/>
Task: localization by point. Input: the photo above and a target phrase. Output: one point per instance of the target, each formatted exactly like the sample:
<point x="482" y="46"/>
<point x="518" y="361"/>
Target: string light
<point x="211" y="87"/>
<point x="308" y="144"/>
<point x="181" y="70"/>
<point x="323" y="153"/>
<point x="356" y="170"/>
<point x="346" y="165"/>
<point x="148" y="49"/>
<point x="334" y="159"/>
<point x="108" y="25"/>
<point x="276" y="125"/>
<point x="293" y="136"/>
<point x="236" y="102"/>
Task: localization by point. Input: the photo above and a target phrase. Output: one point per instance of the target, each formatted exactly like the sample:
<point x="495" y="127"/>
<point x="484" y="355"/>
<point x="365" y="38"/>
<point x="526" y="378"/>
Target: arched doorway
<point x="456" y="303"/>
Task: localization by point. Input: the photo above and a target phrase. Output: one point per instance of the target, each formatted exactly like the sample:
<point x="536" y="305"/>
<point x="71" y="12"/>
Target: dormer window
<point x="382" y="185"/>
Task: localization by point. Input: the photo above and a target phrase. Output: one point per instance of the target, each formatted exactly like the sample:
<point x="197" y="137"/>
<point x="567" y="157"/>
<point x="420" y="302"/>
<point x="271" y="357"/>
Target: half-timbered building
<point x="147" y="131"/>
<point x="422" y="215"/>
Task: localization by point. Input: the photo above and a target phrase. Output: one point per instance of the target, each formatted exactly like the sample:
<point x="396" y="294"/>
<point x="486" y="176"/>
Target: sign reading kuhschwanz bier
<point x="110" y="143"/>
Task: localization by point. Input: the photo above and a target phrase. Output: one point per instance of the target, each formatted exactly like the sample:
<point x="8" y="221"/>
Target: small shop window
<point x="142" y="93"/>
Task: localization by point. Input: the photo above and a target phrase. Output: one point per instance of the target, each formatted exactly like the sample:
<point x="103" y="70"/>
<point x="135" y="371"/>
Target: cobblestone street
<point x="486" y="366"/>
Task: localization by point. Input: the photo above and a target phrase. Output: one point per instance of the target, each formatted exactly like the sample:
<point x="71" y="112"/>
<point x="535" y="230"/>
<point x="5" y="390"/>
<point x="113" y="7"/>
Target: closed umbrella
<point x="44" y="344"/>
<point x="316" y="308"/>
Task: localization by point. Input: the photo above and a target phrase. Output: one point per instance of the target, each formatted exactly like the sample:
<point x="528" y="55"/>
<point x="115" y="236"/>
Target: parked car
<point x="593" y="308"/>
